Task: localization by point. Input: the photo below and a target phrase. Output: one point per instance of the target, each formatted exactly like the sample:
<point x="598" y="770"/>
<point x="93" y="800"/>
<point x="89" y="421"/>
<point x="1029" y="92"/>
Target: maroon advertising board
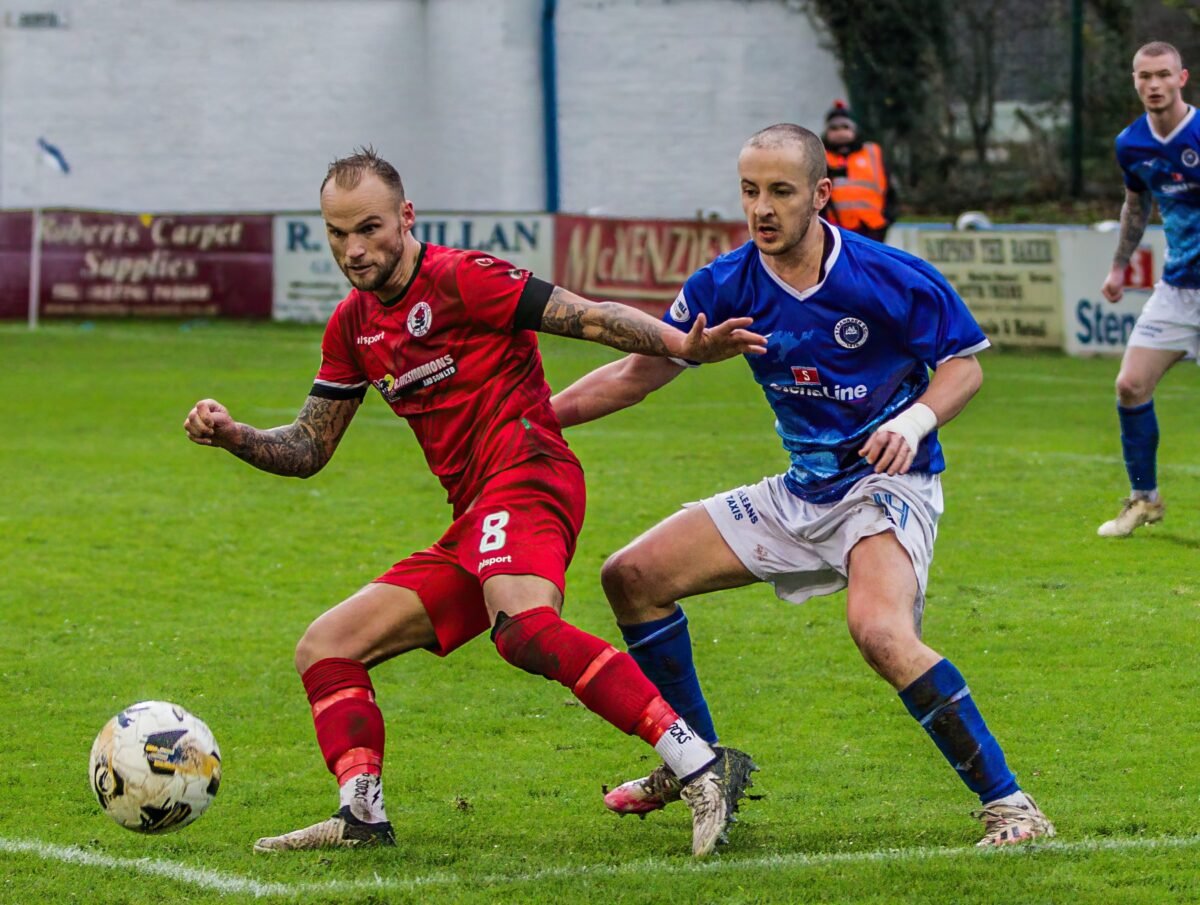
<point x="16" y="231"/>
<point x="98" y="264"/>
<point x="639" y="262"/>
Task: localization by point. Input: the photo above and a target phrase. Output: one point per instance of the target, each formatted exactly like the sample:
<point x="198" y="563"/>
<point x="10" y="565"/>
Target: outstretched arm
<point x="297" y="450"/>
<point x="631" y="330"/>
<point x="1135" y="214"/>
<point x="893" y="446"/>
<point x="612" y="387"/>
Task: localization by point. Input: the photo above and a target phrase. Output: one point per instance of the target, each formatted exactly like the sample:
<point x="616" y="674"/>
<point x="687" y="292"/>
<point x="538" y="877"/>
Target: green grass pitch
<point x="134" y="565"/>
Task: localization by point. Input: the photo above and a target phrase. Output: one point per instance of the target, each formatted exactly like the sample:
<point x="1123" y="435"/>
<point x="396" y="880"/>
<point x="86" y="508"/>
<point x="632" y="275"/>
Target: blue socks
<point x="1139" y="443"/>
<point x="663" y="649"/>
<point x="941" y="702"/>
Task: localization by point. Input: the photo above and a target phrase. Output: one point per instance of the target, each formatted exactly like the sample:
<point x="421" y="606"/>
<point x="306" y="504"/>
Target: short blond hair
<point x="1159" y="49"/>
<point x="790" y="134"/>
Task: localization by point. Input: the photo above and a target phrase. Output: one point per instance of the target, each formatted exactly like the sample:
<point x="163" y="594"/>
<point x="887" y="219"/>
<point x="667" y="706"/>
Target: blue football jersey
<point x="1169" y="168"/>
<point x="843" y="356"/>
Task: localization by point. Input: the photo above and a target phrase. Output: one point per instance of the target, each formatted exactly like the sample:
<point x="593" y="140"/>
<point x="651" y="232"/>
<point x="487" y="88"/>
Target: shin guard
<point x="605" y="680"/>
<point x="349" y="725"/>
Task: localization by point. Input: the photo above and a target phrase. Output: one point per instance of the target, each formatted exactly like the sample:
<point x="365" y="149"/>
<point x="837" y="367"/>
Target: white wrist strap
<point x="913" y="424"/>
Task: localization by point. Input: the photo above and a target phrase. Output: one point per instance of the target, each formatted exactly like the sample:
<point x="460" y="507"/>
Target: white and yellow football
<point x="155" y="767"/>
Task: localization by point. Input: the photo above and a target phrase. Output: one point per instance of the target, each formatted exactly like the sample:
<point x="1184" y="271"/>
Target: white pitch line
<point x="1033" y="455"/>
<point x="207" y="879"/>
<point x="232" y="883"/>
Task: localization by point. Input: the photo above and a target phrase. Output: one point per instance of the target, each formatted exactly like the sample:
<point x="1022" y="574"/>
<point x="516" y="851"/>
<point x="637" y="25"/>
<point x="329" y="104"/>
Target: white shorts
<point x="803" y="548"/>
<point x="1170" y="320"/>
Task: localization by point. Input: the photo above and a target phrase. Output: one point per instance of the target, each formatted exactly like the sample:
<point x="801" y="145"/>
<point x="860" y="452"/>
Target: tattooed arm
<point x="297" y="450"/>
<point x="631" y="330"/>
<point x="1135" y="214"/>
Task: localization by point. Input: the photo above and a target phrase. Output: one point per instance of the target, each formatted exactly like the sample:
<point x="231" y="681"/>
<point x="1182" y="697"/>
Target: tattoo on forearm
<point x="302" y="448"/>
<point x="609" y="323"/>
<point x="563" y="317"/>
<point x="1134" y="218"/>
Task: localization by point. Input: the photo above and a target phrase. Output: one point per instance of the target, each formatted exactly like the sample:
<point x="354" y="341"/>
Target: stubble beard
<point x="790" y="246"/>
<point x="384" y="273"/>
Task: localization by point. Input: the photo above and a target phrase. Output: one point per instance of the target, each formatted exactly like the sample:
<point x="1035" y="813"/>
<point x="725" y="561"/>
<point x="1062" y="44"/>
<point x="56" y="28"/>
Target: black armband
<point x="532" y="304"/>
<point x="338" y="391"/>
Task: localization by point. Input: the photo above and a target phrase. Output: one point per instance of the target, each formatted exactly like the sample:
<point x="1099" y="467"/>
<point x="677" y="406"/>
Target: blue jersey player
<point x="1160" y="158"/>
<point x="854" y="330"/>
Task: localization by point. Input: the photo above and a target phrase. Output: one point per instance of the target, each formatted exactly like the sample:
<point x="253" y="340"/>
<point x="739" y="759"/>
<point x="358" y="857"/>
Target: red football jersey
<point x="445" y="356"/>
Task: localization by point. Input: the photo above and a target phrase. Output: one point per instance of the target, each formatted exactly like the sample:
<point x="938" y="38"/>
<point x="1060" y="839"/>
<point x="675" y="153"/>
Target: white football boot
<point x="1134" y="513"/>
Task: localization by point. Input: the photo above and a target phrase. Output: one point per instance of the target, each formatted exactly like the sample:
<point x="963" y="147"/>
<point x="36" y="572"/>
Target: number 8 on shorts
<point x="494" y="537"/>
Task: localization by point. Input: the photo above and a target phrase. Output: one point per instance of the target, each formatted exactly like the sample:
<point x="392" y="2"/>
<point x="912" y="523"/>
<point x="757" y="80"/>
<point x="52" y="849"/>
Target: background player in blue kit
<point x="1160" y="158"/>
<point x="854" y="328"/>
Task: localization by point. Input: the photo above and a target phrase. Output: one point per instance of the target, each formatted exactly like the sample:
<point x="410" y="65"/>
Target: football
<point x="155" y="767"/>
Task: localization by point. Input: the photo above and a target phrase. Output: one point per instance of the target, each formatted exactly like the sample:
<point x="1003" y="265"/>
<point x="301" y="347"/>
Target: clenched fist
<point x="209" y="424"/>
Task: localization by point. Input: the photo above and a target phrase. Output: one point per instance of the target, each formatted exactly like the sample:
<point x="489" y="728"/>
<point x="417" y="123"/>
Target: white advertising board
<point x="308" y="284"/>
<point x="1016" y="281"/>
<point x="1009" y="280"/>
<point x="1091" y="324"/>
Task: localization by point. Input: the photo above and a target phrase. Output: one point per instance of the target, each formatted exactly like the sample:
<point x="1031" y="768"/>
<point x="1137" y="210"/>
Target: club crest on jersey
<point x="420" y="319"/>
<point x="806" y="377"/>
<point x="679" y="310"/>
<point x="1189" y="157"/>
<point x="485" y="262"/>
<point x="850" y="332"/>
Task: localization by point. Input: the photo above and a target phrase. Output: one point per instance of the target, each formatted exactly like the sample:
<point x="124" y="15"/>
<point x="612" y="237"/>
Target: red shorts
<point x="524" y="522"/>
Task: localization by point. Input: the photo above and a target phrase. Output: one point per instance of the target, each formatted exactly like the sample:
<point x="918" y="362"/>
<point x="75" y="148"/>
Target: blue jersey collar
<point x="833" y="249"/>
<point x="1166" y="140"/>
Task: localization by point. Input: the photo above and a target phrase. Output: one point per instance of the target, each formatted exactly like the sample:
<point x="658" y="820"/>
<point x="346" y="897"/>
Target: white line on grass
<point x="232" y="883"/>
<point x="207" y="879"/>
<point x="1033" y="455"/>
<point x="1033" y="376"/>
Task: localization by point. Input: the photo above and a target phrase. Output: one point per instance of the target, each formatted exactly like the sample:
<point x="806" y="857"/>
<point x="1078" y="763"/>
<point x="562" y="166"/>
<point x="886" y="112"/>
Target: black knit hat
<point x="840" y="110"/>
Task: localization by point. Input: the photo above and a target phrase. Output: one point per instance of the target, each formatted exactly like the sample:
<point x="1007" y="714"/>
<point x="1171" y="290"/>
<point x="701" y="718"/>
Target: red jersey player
<point x="446" y="337"/>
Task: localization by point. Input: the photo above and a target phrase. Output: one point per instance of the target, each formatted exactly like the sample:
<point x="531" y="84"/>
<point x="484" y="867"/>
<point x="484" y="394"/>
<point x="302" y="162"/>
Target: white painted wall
<point x="657" y="97"/>
<point x="193" y="105"/>
<point x="241" y="104"/>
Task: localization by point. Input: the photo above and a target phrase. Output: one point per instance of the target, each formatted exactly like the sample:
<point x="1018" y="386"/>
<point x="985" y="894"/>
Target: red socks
<point x="607" y="681"/>
<point x="349" y="725"/>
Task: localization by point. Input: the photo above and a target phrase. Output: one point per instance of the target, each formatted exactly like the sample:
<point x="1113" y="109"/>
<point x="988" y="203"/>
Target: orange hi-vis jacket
<point x="859" y="196"/>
